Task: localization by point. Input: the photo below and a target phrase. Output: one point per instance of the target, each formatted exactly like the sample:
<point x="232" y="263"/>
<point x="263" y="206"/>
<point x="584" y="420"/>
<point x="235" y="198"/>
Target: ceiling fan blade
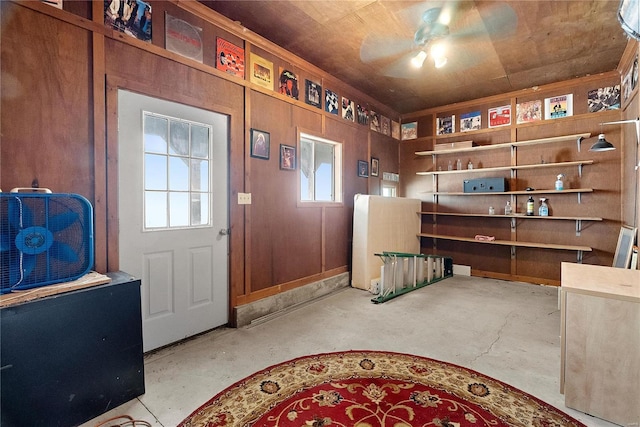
<point x="374" y="48"/>
<point x="401" y="68"/>
<point x="495" y="20"/>
<point x="61" y="221"/>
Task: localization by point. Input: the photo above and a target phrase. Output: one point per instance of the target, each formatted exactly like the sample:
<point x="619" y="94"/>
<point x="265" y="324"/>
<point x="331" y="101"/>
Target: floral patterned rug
<point x="373" y="389"/>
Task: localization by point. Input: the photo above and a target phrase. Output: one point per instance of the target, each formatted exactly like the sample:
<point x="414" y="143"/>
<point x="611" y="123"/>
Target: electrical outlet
<point x="244" y="198"/>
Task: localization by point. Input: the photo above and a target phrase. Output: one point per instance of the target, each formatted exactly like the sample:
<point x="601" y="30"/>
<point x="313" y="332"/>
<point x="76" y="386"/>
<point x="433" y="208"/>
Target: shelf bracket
<point x="513" y="225"/>
<point x="513" y="252"/>
<point x="579" y="198"/>
<point x="580" y="170"/>
<point x="579" y="257"/>
<point x="579" y="140"/>
<point x="578" y="226"/>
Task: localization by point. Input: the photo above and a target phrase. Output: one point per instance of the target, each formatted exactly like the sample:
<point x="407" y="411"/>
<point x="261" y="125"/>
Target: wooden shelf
<point x="510" y="243"/>
<point x="505" y="145"/>
<point x="517" y="216"/>
<point x="579" y="163"/>
<point x="517" y="192"/>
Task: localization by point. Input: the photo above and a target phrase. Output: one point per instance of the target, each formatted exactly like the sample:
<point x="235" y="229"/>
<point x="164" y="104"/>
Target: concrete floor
<point x="507" y="330"/>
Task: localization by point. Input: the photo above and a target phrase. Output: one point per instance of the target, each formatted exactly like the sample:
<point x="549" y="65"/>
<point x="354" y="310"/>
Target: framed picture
<point x="288" y="83"/>
<point x="287" y="157"/>
<point x="499" y="116"/>
<point x="261" y="71"/>
<point x="530" y="111"/>
<point x="330" y="102"/>
<point x="626" y="238"/>
<point x="229" y="58"/>
<point x="558" y="106"/>
<point x="348" y="107"/>
<point x="470" y="121"/>
<point x="260" y="144"/>
<point x="375" y="165"/>
<point x="409" y="130"/>
<point x="363" y="169"/>
<point x="182" y="38"/>
<point x="603" y="98"/>
<point x="446" y="125"/>
<point x="135" y="21"/>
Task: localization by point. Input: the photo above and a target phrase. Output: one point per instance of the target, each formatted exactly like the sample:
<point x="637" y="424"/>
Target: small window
<point x="389" y="190"/>
<point x="320" y="170"/>
<point x="176" y="173"/>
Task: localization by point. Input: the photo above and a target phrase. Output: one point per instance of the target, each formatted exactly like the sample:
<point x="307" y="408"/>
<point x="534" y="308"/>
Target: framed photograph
<point x="229" y="58"/>
<point x="261" y="71"/>
<point x="375" y="166"/>
<point x="260" y="144"/>
<point x="603" y="98"/>
<point x="374" y="121"/>
<point x="626" y="238"/>
<point x="385" y="125"/>
<point x="330" y="102"/>
<point x="363" y="168"/>
<point x="287" y="157"/>
<point x="558" y="106"/>
<point x="313" y="93"/>
<point x="348" y="107"/>
<point x="470" y="121"/>
<point x="362" y="114"/>
<point x="446" y="125"/>
<point x="395" y="129"/>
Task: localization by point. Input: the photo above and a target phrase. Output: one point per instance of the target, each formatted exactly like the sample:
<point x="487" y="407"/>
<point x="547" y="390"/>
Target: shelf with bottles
<point x="473" y="170"/>
<point x="577" y="137"/>
<point x="515" y="192"/>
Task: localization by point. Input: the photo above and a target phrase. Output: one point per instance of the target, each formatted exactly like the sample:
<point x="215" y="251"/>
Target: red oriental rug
<point x="373" y="389"/>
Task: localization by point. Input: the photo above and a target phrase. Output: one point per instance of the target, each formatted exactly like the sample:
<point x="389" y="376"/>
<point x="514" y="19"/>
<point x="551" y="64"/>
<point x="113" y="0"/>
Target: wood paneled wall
<point x="60" y="74"/>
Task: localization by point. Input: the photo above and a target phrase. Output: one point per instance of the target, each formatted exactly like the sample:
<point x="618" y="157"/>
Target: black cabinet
<point x="68" y="358"/>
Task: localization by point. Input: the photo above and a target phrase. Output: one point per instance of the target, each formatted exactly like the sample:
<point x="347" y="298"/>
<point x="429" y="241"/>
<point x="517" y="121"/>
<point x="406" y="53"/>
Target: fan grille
<point x="46" y="239"/>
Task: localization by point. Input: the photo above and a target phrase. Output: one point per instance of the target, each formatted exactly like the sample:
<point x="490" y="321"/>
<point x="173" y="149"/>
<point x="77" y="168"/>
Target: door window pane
<point x="176" y="173"/>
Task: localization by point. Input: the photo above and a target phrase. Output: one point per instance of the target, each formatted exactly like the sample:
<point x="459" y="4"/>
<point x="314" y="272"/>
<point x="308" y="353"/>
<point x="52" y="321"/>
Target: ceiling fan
<point x="444" y="30"/>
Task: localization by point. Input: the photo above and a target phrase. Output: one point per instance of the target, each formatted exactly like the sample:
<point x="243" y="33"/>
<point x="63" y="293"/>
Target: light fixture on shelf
<point x="602" y="144"/>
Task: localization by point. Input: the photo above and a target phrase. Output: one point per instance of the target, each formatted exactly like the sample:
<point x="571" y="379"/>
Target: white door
<point x="173" y="216"/>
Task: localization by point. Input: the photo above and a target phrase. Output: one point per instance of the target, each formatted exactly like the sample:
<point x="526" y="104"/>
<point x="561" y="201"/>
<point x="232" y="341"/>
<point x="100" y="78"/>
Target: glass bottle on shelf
<point x="459" y="164"/>
<point x="507" y="208"/>
<point x="450" y="165"/>
<point x="469" y="165"/>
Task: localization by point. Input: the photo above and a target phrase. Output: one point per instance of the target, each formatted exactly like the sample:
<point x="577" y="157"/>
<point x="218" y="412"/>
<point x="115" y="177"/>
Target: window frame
<point x="338" y="171"/>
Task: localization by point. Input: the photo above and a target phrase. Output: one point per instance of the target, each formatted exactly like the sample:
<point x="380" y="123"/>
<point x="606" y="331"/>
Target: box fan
<point x="45" y="238"/>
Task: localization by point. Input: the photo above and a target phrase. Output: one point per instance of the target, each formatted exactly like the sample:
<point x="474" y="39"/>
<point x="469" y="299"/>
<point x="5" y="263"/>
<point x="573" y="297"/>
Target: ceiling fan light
<point x="418" y="60"/>
<point x="440" y="61"/>
<point x="602" y="144"/>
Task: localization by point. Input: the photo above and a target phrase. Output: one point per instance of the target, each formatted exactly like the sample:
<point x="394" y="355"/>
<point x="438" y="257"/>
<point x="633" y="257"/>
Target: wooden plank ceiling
<point x="494" y="47"/>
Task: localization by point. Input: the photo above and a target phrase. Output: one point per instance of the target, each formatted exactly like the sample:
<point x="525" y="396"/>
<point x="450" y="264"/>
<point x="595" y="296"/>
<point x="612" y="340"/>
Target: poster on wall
<point x="409" y="131"/>
<point x="132" y="17"/>
<point x="330" y="102"/>
<point x="363" y="115"/>
<point x="183" y="38"/>
<point x="385" y="125"/>
<point x="261" y="71"/>
<point x="374" y="121"/>
<point x="530" y="111"/>
<point x="312" y="93"/>
<point x="229" y="57"/>
<point x="470" y="121"/>
<point x="395" y="129"/>
<point x="347" y="109"/>
<point x="558" y="106"/>
<point x="288" y="83"/>
<point x="604" y="98"/>
<point x="499" y="116"/>
<point x="445" y="125"/>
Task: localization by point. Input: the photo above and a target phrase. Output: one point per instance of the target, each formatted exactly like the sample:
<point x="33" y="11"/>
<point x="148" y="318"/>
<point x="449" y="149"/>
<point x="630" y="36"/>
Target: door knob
<point x="223" y="231"/>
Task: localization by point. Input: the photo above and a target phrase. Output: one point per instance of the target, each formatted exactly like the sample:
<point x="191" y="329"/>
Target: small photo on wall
<point x="288" y="83"/>
<point x="363" y="168"/>
<point x="604" y="98"/>
<point x="287" y="157"/>
<point x="260" y="144"/>
<point x="362" y="114"/>
<point x="330" y="102"/>
<point x="347" y="109"/>
<point x="132" y="17"/>
<point x="375" y="166"/>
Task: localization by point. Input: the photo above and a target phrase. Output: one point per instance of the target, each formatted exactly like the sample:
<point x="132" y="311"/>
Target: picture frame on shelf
<point x="138" y="26"/>
<point x="261" y="71"/>
<point x="558" y="106"/>
<point x="499" y="116"/>
<point x="409" y="131"/>
<point x="603" y="98"/>
<point x="260" y="144"/>
<point x="331" y="102"/>
<point x="313" y="93"/>
<point x="287" y="157"/>
<point x="363" y="168"/>
<point x="375" y="166"/>
<point x="288" y="83"/>
<point x="445" y="125"/>
<point x="229" y="58"/>
<point x="182" y="38"/>
<point x="529" y="111"/>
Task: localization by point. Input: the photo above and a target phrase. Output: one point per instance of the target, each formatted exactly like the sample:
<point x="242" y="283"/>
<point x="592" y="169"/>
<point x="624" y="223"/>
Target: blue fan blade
<point x="28" y="264"/>
<point x="20" y="216"/>
<point x="5" y="243"/>
<point x="61" y="221"/>
<point x="63" y="252"/>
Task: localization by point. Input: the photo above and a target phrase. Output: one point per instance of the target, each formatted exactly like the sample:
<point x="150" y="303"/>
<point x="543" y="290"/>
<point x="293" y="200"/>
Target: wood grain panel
<point x="46" y="93"/>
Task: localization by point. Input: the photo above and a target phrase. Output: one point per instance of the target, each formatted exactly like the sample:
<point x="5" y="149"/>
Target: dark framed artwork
<point x="287" y="157"/>
<point x="260" y="144"/>
<point x="363" y="168"/>
<point x="313" y="94"/>
<point x="375" y="166"/>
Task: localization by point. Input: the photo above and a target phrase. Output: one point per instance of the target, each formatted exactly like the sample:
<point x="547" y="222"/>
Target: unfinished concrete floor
<point x="507" y="330"/>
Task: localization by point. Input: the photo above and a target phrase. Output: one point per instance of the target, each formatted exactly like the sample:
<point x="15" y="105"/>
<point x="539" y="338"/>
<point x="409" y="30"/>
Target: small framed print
<point x="363" y="168"/>
<point x="287" y="157"/>
<point x="260" y="144"/>
<point x="375" y="165"/>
